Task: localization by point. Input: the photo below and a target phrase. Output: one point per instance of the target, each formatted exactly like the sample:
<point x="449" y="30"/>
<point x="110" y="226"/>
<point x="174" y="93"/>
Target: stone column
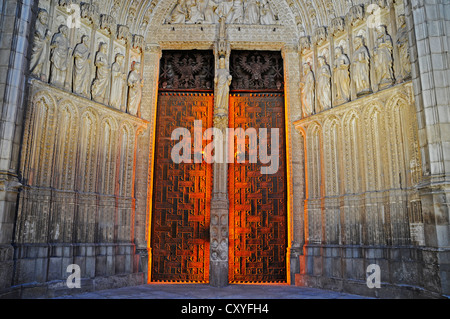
<point x="144" y="160"/>
<point x="17" y="16"/>
<point x="428" y="26"/>
<point x="219" y="228"/>
<point x="294" y="160"/>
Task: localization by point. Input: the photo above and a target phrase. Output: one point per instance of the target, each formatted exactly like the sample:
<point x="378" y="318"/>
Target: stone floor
<point x="203" y="291"/>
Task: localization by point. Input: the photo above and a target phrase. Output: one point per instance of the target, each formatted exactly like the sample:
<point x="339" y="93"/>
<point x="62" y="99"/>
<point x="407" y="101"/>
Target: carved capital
<point x="337" y="26"/>
<point x="138" y="42"/>
<point x="107" y="23"/>
<point x="356" y="14"/>
<point x="304" y="44"/>
<point x="123" y="33"/>
<point x="320" y="35"/>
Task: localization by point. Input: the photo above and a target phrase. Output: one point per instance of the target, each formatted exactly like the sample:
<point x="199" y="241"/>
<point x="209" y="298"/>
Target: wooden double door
<point x="182" y="191"/>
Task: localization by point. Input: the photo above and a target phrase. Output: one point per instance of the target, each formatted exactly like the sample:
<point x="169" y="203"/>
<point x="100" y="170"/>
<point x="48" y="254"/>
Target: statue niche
<point x="323" y="85"/>
<point x="135" y="84"/>
<point x="39" y="51"/>
<point x="307" y="87"/>
<point x="59" y="57"/>
<point x="101" y="83"/>
<point x="383" y="60"/>
<point x="342" y="75"/>
<point x="117" y="81"/>
<point x="403" y="49"/>
<point x="81" y="70"/>
<point x="361" y="67"/>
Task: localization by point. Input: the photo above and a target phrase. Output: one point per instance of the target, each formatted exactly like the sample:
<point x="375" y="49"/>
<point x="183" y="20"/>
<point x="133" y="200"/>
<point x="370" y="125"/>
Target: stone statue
<point x="40" y="40"/>
<point x="267" y="16"/>
<point x="361" y="67"/>
<point x="59" y="56"/>
<point x="403" y="49"/>
<point x="179" y="13"/>
<point x="224" y="9"/>
<point x="323" y="86"/>
<point x="117" y="81"/>
<point x="81" y="74"/>
<point x="382" y="56"/>
<point x="236" y="14"/>
<point x="194" y="15"/>
<point x="252" y="15"/>
<point x="101" y="83"/>
<point x="135" y="84"/>
<point x="342" y="76"/>
<point x="210" y="12"/>
<point x="222" y="81"/>
<point x="307" y="87"/>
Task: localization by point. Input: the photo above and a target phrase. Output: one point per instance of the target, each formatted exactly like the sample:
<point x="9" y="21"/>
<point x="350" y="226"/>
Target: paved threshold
<point x="204" y="291"/>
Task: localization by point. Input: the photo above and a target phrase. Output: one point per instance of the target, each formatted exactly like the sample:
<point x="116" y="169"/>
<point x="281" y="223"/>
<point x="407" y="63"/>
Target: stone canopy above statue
<point x="234" y="11"/>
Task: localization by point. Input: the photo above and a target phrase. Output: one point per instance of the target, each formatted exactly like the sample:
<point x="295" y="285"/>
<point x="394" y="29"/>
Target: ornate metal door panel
<point x="258" y="207"/>
<point x="181" y="192"/>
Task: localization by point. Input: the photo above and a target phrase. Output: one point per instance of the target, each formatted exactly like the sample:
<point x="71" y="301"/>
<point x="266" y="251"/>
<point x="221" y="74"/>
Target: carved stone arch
<point x="126" y="158"/>
<point x="402" y="121"/>
<point x="67" y="145"/>
<point x="332" y="145"/>
<point x="45" y="113"/>
<point x="352" y="141"/>
<point x="374" y="146"/>
<point x="107" y="154"/>
<point x="88" y="151"/>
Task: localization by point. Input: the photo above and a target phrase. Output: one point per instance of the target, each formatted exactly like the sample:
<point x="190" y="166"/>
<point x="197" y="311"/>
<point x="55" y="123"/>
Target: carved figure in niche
<point x="194" y="15"/>
<point x="210" y="12"/>
<point x="101" y="83"/>
<point x="81" y="55"/>
<point x="342" y="75"/>
<point x="135" y="84"/>
<point x="267" y="15"/>
<point x="307" y="86"/>
<point x="222" y="82"/>
<point x="403" y="49"/>
<point x="361" y="67"/>
<point x="59" y="56"/>
<point x="237" y="12"/>
<point x="179" y="13"/>
<point x="252" y="15"/>
<point x="323" y="86"/>
<point x="224" y="10"/>
<point x="117" y="81"/>
<point x="383" y="60"/>
<point x="40" y="40"/>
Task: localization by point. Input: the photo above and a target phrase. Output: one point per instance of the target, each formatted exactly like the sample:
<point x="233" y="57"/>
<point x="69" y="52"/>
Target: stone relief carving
<point x="59" y="56"/>
<point x="323" y="86"/>
<point x="234" y="12"/>
<point x="117" y="82"/>
<point x="403" y="49"/>
<point x="101" y="83"/>
<point x="256" y="70"/>
<point x="342" y="75"/>
<point x="222" y="83"/>
<point x="39" y="51"/>
<point x="307" y="86"/>
<point x="361" y="67"/>
<point x="81" y="69"/>
<point x="135" y="84"/>
<point x="382" y="57"/>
